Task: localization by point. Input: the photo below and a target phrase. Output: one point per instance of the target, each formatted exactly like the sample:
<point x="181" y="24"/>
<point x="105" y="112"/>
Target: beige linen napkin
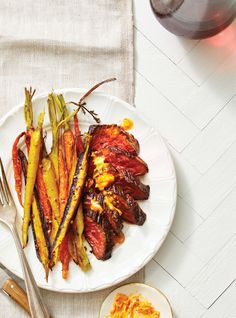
<point x="59" y="44"/>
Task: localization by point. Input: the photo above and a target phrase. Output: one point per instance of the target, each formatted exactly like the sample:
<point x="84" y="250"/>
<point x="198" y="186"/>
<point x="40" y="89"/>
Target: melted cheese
<point x="95" y="206"/>
<point x="101" y="176"/>
<point x="98" y="162"/>
<point x="133" y="306"/>
<point x="109" y="202"/>
<point x="127" y="124"/>
<point x="103" y="180"/>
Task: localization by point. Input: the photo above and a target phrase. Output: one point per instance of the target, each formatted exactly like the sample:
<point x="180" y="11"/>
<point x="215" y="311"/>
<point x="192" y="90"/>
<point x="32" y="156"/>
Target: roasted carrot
<point x="64" y="170"/>
<point x="78" y="139"/>
<point x="63" y="179"/>
<point x="69" y="147"/>
<point x="74" y="194"/>
<point x="49" y="178"/>
<point x="41" y="239"/>
<point x="68" y="137"/>
<point x="50" y="181"/>
<point x="39" y="233"/>
<point x="53" y="121"/>
<point x="34" y="156"/>
<point x="17" y="168"/>
<point x="28" y="114"/>
<point x="81" y="255"/>
<point x="43" y="197"/>
<point x="63" y="196"/>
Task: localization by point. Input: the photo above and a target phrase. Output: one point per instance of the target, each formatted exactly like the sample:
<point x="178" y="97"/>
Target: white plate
<point x="141" y="243"/>
<point x="153" y="295"/>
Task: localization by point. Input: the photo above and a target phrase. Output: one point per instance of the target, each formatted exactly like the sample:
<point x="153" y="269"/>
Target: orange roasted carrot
<point x="64" y="253"/>
<point x="78" y="139"/>
<point x="17" y="168"/>
<point x="66" y="168"/>
<point x="69" y="146"/>
<point x="43" y="197"/>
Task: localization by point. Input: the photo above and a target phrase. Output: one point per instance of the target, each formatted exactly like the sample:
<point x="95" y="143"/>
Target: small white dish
<point x="153" y="295"/>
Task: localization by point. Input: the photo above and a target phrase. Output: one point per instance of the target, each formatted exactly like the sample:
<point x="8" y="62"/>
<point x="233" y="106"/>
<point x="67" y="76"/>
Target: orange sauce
<point x="127" y="124"/>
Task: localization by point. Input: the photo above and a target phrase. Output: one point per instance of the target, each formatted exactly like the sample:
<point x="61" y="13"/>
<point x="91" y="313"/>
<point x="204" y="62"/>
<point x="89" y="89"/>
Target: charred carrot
<point x="49" y="178"/>
<point x="68" y="137"/>
<point x="81" y="255"/>
<point x="63" y="179"/>
<point x="34" y="156"/>
<point x="74" y="194"/>
<point x="65" y="253"/>
<point x="41" y="243"/>
<point x="41" y="239"/>
<point x="43" y="197"/>
<point x="64" y="170"/>
<point x="78" y="139"/>
<point x="17" y="168"/>
<point x="69" y="147"/>
<point x="53" y="120"/>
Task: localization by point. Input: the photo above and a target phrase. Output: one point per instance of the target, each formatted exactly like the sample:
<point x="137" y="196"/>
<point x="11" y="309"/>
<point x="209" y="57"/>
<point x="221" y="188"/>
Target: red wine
<point x="194" y="18"/>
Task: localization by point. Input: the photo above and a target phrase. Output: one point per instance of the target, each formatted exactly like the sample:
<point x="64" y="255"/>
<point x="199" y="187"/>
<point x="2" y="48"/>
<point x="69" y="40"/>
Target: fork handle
<point x="37" y="307"/>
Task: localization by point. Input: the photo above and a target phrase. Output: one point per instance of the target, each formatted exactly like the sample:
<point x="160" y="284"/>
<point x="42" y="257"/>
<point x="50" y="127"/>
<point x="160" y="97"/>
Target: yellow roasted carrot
<point x="81" y="255"/>
<point x="39" y="228"/>
<point x="34" y="156"/>
<point x="40" y="238"/>
<point x="53" y="155"/>
<point x="49" y="178"/>
<point x="50" y="181"/>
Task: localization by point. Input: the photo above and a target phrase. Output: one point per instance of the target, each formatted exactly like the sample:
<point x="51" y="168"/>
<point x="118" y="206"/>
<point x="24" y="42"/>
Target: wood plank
<point x="206" y="194"/>
<point x="214" y="140"/>
<point x="186" y="220"/>
<point x="162" y="115"/>
<point x="183" y="270"/>
<point x="172" y="82"/>
<point x="216" y="276"/>
<point x="174" y="47"/>
<point x="218" y="228"/>
<point x="183" y="304"/>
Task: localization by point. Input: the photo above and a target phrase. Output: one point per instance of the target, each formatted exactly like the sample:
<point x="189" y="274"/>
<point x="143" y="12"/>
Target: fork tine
<point x="3" y="198"/>
<point x="5" y="185"/>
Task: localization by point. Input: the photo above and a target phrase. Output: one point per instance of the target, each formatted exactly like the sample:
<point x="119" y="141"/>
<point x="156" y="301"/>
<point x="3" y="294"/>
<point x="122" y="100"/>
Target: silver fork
<point x="8" y="217"/>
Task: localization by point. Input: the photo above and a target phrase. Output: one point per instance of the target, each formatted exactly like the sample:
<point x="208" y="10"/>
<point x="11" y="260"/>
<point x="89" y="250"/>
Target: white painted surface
<point x="186" y="89"/>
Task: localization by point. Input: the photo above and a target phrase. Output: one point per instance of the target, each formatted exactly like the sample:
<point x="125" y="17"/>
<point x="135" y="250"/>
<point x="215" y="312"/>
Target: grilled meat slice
<point x="99" y="237"/>
<point x="105" y="174"/>
<point x="113" y="136"/>
<point x="97" y="206"/>
<point x="130" y="209"/>
<point x="132" y="185"/>
<point x="123" y="160"/>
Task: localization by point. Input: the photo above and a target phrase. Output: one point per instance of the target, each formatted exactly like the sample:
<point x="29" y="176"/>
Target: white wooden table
<point x="187" y="90"/>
